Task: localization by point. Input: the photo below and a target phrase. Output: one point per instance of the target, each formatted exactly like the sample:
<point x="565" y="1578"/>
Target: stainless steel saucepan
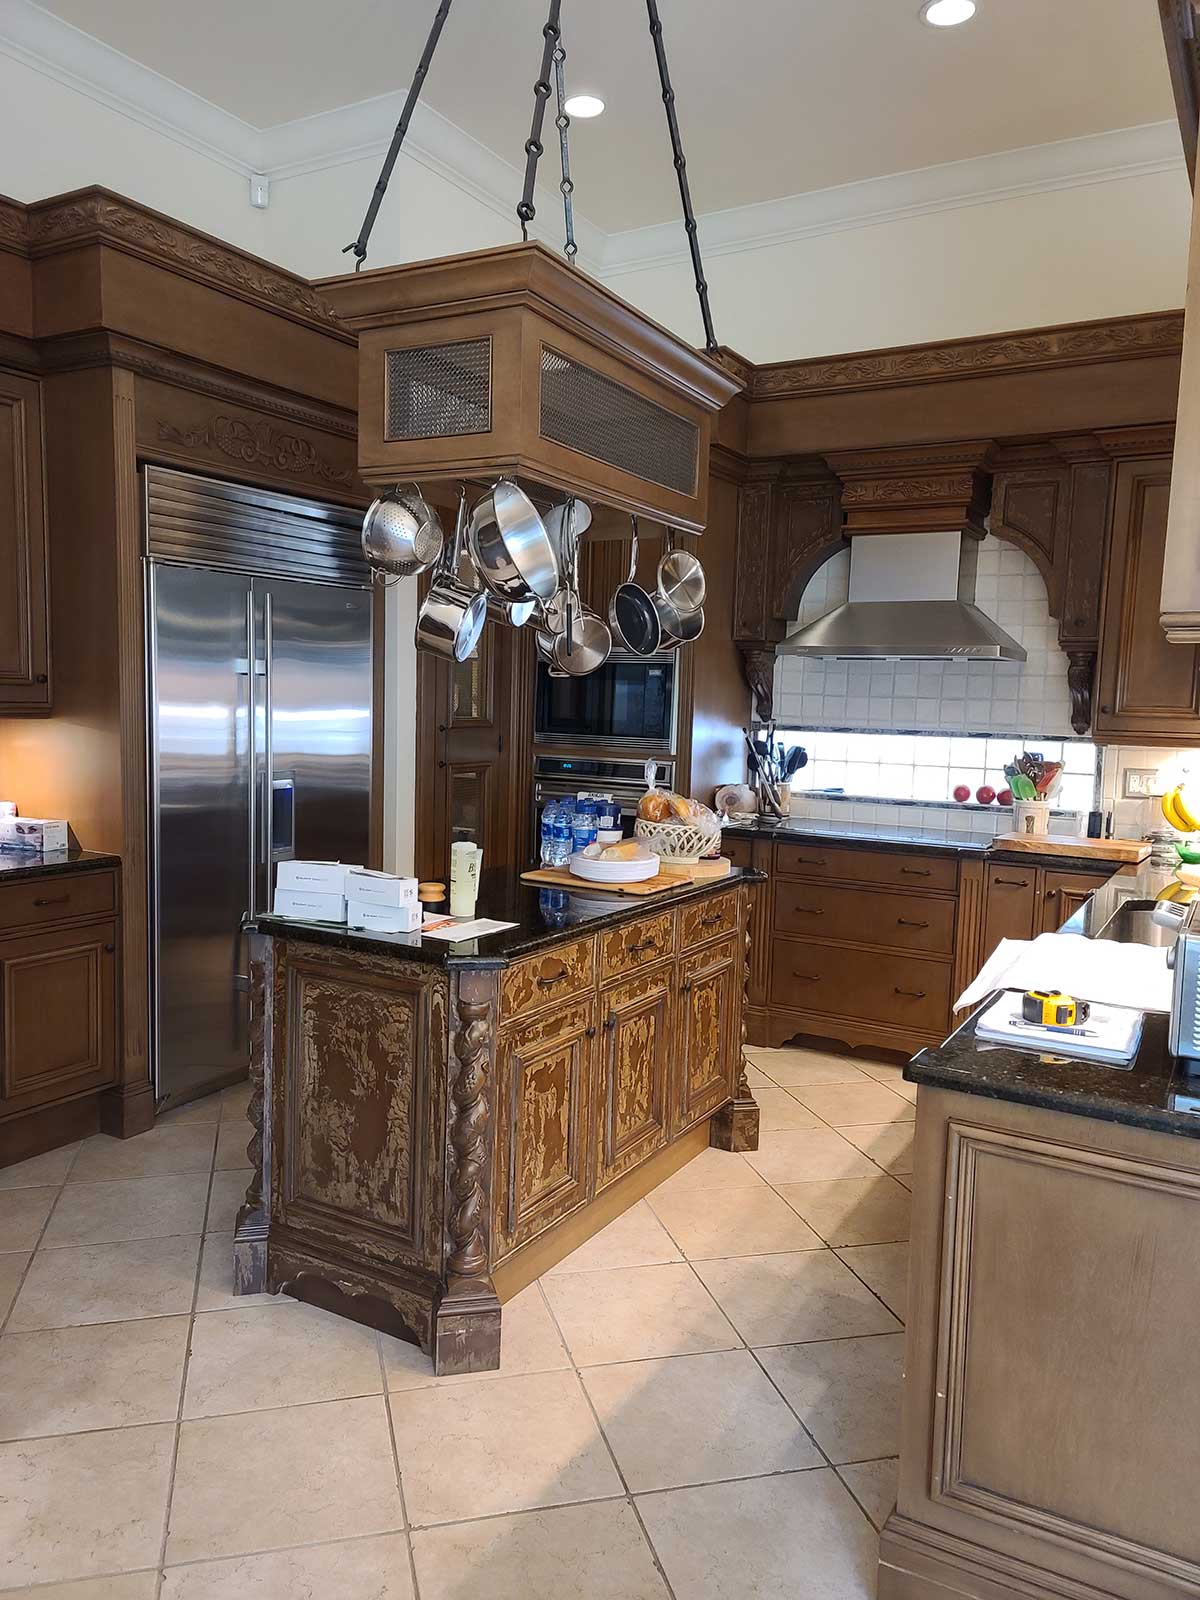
<point x="402" y="534"/>
<point x="452" y="615"/>
<point x="510" y="547"/>
<point x="681" y="615"/>
<point x="585" y="642"/>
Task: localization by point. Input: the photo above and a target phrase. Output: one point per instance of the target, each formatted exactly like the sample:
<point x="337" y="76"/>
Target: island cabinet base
<point x="430" y="1133"/>
<point x="1051" y="1411"/>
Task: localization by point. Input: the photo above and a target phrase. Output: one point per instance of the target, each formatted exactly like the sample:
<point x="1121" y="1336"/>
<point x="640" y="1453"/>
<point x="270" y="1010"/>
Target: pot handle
<point x="633" y="551"/>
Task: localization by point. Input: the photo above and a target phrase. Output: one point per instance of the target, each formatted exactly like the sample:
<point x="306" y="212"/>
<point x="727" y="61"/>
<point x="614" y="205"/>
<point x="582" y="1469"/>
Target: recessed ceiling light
<point x="590" y="105"/>
<point x="947" y="13"/>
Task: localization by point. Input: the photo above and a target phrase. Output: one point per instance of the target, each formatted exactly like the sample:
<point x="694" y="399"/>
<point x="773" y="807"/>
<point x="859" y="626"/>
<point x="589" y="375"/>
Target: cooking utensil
<point x="402" y="533"/>
<point x="516" y="613"/>
<point x="585" y="643"/>
<point x="452" y="615"/>
<point x="555" y="521"/>
<point x="677" y="627"/>
<point x="797" y="757"/>
<point x="681" y="581"/>
<point x="510" y="547"/>
<point x="632" y="616"/>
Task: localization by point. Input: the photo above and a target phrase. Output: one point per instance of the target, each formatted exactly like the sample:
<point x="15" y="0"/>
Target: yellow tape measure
<point x="1052" y="1009"/>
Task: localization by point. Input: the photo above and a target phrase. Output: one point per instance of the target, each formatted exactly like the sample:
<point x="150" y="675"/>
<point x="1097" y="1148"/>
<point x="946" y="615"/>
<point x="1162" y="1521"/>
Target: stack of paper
<point x="1135" y="976"/>
<point x="1111" y="1033"/>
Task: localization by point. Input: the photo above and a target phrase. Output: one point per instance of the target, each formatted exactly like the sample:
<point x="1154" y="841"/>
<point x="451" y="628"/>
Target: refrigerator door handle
<point x="268" y="751"/>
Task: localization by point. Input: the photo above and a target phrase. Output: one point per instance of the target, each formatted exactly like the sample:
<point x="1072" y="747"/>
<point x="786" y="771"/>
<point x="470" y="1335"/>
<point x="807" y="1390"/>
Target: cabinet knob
<point x="110" y="949"/>
<point x="589" y="1033"/>
<point x="42" y="677"/>
<point x="610" y="1022"/>
<point x="686" y="986"/>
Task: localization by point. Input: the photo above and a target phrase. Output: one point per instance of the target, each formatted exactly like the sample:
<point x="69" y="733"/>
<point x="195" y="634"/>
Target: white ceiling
<point x="775" y="97"/>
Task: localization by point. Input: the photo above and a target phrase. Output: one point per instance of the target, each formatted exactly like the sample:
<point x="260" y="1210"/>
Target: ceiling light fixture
<point x="584" y="105"/>
<point x="947" y="13"/>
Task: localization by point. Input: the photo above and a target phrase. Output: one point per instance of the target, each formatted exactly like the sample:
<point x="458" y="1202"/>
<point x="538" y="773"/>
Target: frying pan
<point x="452" y="616"/>
<point x="632" y="614"/>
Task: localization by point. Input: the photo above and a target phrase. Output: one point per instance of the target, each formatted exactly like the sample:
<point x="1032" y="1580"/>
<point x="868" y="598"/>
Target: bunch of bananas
<point x="1177" y="811"/>
<point x="1181" y="893"/>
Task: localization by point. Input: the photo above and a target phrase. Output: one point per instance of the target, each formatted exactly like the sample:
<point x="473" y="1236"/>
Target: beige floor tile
<point x="904" y="1178"/>
<point x="884" y="1267"/>
<point x="507" y="1445"/>
<point x="787" y="1299"/>
<point x="306" y="1473"/>
<point x="889" y="1072"/>
<point x="756" y="1078"/>
<point x="796" y="1155"/>
<point x="148" y="1155"/>
<point x="82" y="1504"/>
<point x="233" y="1136"/>
<point x="206" y="1110"/>
<point x="107" y="1283"/>
<point x="39" y="1171"/>
<point x="529" y="1342"/>
<point x="780" y="1109"/>
<point x="226" y="1199"/>
<point x="130" y="1208"/>
<point x="234" y="1102"/>
<point x="11" y="1268"/>
<point x="216" y="1280"/>
<point x="845" y="1105"/>
<point x="23" y="1214"/>
<point x="351" y="1569"/>
<point x="846" y="1393"/>
<point x="889" y="1145"/>
<point x="733" y="1222"/>
<point x="852" y="1210"/>
<point x="120" y="1586"/>
<point x="796" y="1535"/>
<point x="72" y="1380"/>
<point x="635" y="1312"/>
<point x="902" y="1086"/>
<point x="595" y="1552"/>
<point x="634" y="1239"/>
<point x="712" y="1169"/>
<point x="873" y="1485"/>
<point x="695" y="1419"/>
<point x="260" y="1356"/>
<point x="792" y="1068"/>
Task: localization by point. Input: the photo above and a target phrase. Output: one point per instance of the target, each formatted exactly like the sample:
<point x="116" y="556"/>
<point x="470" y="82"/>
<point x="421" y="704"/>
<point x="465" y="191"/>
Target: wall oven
<point x="554" y="777"/>
<point x="627" y="704"/>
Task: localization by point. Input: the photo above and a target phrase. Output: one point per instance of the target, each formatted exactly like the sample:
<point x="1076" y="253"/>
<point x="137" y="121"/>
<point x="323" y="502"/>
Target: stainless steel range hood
<point x="912" y="598"/>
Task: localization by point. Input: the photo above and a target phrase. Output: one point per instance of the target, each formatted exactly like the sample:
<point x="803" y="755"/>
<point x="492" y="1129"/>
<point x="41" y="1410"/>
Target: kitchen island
<point x="436" y="1124"/>
<point x="1051" y="1411"/>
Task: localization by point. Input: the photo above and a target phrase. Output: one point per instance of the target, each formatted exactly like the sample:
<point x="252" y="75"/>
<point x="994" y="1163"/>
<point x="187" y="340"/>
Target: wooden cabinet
<point x="1010" y="906"/>
<point x="1063" y="893"/>
<point x="707" y="1009"/>
<point x="1149" y="688"/>
<point x="24" y="615"/>
<point x="635" y="1050"/>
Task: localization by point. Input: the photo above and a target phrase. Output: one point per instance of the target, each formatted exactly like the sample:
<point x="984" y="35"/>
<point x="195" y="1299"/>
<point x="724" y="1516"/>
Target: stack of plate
<point x="596" y="870"/>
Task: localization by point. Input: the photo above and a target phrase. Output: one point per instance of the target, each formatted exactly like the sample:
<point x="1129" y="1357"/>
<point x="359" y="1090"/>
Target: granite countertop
<point x="1142" y="1095"/>
<point x="16" y="864"/>
<point x="544" y="917"/>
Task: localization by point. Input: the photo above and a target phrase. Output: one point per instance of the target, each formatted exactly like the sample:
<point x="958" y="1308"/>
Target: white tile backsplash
<point x="1132" y="819"/>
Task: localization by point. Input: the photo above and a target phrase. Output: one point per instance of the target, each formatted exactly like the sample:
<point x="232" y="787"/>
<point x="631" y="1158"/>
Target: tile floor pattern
<point x="700" y="1404"/>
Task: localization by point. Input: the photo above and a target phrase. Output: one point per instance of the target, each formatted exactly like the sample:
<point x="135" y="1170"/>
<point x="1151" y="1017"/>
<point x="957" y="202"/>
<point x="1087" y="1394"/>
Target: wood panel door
<point x="635" y="1045"/>
<point x="24" y="615"/>
<point x="1063" y="894"/>
<point x="58" y="1007"/>
<point x="1010" y="907"/>
<point x="708" y="1015"/>
<point x="543" y="1122"/>
<point x="1149" y="689"/>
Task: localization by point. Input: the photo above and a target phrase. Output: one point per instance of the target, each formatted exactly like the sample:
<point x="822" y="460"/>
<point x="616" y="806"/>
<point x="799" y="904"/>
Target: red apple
<point x="985" y="794"/>
<point x="1005" y="797"/>
<point x="962" y="793"/>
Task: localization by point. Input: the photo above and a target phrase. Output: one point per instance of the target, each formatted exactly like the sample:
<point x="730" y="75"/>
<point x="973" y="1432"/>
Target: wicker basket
<point x="679" y="844"/>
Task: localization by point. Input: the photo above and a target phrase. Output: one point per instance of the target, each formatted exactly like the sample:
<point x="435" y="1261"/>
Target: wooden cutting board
<point x="1073" y="844"/>
<point x="560" y="878"/>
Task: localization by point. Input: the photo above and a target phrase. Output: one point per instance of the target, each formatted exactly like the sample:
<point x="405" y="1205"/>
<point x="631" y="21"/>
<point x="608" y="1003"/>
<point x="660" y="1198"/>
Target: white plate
<point x="597" y="871"/>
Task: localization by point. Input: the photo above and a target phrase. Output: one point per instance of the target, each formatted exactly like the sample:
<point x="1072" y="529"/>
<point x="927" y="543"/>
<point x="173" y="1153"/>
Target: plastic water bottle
<point x="584" y="825"/>
<point x="548" y="814"/>
<point x="561" y="836"/>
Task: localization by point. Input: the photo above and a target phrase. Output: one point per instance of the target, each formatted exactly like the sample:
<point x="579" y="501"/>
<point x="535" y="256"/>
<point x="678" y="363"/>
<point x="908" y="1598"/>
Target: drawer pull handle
<point x="610" y="1022"/>
<point x="809" y="911"/>
<point x="711" y="919"/>
<point x="806" y="977"/>
<point x="548" y="983"/>
<point x="52" y="900"/>
<point x="806" y="861"/>
<point x="1012" y="883"/>
<point x="642" y="944"/>
<point x="907" y="922"/>
<point x="918" y="872"/>
<point x="913" y="994"/>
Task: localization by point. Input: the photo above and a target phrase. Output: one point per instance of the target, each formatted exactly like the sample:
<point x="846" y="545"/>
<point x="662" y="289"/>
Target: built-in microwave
<point x="628" y="703"/>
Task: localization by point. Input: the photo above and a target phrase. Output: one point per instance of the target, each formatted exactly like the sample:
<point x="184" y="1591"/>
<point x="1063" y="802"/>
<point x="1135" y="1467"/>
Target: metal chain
<point x="689" y="218"/>
<point x="359" y="246"/>
<point x="562" y="122"/>
<point x="526" y="210"/>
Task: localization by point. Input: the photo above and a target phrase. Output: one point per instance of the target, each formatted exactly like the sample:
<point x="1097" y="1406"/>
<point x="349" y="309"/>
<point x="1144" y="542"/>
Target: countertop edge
<point x="18" y="866"/>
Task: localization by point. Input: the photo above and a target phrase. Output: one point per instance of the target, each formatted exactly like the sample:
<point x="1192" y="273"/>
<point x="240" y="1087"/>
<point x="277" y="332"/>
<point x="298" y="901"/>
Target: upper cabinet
<point x="1149" y="689"/>
<point x="24" y="624"/>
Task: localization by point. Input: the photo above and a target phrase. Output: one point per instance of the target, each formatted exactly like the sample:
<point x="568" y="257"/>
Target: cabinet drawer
<point x="563" y="972"/>
<point x="635" y="945"/>
<point x="739" y="851"/>
<point x="865" y="916"/>
<point x="907" y="869"/>
<point x="901" y="991"/>
<point x="707" y="919"/>
<point x="54" y="898"/>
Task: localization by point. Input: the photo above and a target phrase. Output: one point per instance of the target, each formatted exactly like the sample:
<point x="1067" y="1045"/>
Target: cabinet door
<point x="708" y="1013"/>
<point x="1010" y="906"/>
<point x="58" y="1001"/>
<point x="542" y="1122"/>
<point x="635" y="1037"/>
<point x="24" y="625"/>
<point x="1149" y="690"/>
<point x="1063" y="895"/>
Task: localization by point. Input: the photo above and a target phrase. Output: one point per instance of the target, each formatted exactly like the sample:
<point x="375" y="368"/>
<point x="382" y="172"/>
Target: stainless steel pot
<point x="402" y="533"/>
<point x="510" y="547"/>
<point x="585" y="643"/>
<point x="452" y="615"/>
<point x="516" y="613"/>
<point x="632" y="615"/>
<point x="556" y="523"/>
<point x="681" y="580"/>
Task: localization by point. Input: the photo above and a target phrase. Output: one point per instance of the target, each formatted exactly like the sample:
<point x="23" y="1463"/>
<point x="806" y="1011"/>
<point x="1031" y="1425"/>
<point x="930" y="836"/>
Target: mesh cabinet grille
<point x="435" y="390"/>
<point x="591" y="413"/>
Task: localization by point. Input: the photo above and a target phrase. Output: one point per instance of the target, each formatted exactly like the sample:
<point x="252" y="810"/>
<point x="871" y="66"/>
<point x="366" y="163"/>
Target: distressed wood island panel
<point x="424" y="1120"/>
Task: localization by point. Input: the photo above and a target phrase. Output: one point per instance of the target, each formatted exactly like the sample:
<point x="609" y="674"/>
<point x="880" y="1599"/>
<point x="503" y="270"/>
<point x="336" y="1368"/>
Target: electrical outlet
<point x="1141" y="783"/>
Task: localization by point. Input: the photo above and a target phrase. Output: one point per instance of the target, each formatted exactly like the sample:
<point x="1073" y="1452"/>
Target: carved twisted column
<point x="468" y="1138"/>
<point x="250" y="1232"/>
<point x="735" y="1126"/>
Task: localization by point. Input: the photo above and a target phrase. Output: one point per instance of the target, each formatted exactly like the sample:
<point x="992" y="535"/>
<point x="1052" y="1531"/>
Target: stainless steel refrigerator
<point x="259" y="744"/>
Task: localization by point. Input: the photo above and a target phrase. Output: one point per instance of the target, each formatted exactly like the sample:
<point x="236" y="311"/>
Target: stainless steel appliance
<point x="1183" y="1034"/>
<point x="259" y="741"/>
<point x="557" y="776"/>
<point x="628" y="703"/>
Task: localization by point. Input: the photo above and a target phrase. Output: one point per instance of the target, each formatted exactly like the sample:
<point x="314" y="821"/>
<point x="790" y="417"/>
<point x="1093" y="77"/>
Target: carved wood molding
<point x="470" y="1134"/>
<point x="1081" y="678"/>
<point x="758" y="668"/>
<point x="925" y="487"/>
<point x="261" y="444"/>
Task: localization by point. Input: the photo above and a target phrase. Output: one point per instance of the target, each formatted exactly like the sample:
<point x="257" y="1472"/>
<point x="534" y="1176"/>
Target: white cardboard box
<point x="367" y="888"/>
<point x="314" y="877"/>
<point x="309" y="905"/>
<point x="384" y="919"/>
<point x="33" y="833"/>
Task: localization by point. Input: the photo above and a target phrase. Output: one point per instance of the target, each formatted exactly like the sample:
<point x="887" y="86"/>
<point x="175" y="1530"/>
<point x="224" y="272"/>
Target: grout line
<point x="387" y="1406"/>
<point x="4" y="1321"/>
